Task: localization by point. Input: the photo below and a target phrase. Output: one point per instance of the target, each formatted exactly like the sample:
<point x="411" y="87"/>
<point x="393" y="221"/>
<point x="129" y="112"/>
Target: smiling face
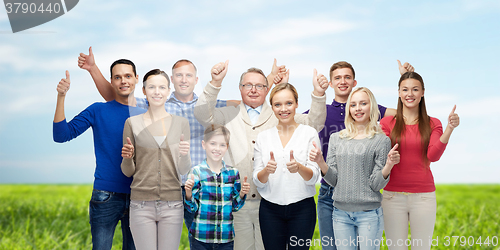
<point x="411" y="93"/>
<point x="123" y="80"/>
<point x="253" y="97"/>
<point x="342" y="81"/>
<point x="156" y="90"/>
<point x="215" y="147"/>
<point x="359" y="108"/>
<point x="284" y="105"/>
<point x="184" y="79"/>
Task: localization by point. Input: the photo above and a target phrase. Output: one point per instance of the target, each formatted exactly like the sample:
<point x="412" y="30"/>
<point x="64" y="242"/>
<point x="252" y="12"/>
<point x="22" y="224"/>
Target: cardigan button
<point x="253" y="128"/>
<point x="253" y="195"/>
<point x="252" y="159"/>
<point x="253" y="142"/>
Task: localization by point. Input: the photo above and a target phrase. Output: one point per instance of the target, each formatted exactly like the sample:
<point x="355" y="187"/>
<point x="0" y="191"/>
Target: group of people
<point x="243" y="174"/>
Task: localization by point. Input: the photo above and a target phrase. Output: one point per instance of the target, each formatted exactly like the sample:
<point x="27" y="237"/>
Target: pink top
<point x="413" y="174"/>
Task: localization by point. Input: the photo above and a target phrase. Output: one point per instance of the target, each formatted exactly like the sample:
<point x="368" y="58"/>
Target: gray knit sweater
<point x="355" y="170"/>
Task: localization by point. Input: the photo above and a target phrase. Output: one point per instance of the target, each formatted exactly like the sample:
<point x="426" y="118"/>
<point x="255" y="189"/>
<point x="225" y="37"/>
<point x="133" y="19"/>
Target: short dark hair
<point x="122" y="61"/>
<point x="155" y="72"/>
<point x="183" y="61"/>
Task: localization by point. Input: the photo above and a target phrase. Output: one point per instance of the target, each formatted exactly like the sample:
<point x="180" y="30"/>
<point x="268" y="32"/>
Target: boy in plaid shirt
<point x="213" y="192"/>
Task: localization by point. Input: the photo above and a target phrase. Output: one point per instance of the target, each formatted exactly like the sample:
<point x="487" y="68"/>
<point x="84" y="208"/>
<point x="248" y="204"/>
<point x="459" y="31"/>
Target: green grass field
<point x="56" y="217"/>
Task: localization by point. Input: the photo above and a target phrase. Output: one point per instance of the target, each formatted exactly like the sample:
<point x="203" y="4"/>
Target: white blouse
<point x="283" y="187"/>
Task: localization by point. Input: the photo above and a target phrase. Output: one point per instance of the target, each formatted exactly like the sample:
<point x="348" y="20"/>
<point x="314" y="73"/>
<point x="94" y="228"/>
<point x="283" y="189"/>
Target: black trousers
<point x="289" y="225"/>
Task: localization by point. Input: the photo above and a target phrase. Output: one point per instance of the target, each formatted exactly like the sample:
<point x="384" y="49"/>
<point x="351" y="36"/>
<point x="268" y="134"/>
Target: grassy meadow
<point x="56" y="217"/>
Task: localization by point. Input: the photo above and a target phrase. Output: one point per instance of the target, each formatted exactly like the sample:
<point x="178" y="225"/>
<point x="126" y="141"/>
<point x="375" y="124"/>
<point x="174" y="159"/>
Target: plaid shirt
<point x="186" y="110"/>
<point x="215" y="197"/>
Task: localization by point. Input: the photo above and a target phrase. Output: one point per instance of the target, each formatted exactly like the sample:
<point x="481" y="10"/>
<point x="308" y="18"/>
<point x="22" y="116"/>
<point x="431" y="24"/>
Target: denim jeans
<point x="198" y="245"/>
<point x="287" y="226"/>
<point x="105" y="210"/>
<point x="325" y="211"/>
<point x="363" y="229"/>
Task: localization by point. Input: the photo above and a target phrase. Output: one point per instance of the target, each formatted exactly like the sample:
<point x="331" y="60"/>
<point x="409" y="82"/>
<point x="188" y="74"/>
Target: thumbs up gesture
<point x="218" y="73"/>
<point x="292" y="165"/>
<point x="406" y="67"/>
<point x="86" y="61"/>
<point x="128" y="149"/>
<point x="63" y="85"/>
<point x="271" y="165"/>
<point x="188" y="187"/>
<point x="453" y="119"/>
<point x="393" y="156"/>
<point x="320" y="84"/>
<point x="315" y="154"/>
<point x="183" y="146"/>
<point x="245" y="187"/>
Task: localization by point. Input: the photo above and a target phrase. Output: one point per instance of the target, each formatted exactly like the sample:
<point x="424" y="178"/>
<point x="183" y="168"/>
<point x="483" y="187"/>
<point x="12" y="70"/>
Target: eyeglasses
<point x="249" y="86"/>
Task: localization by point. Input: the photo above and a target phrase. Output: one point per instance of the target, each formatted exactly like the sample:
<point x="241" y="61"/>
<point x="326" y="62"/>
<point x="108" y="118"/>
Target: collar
<point x="174" y="99"/>
<point x="337" y="104"/>
<point x="204" y="164"/>
<point x="258" y="109"/>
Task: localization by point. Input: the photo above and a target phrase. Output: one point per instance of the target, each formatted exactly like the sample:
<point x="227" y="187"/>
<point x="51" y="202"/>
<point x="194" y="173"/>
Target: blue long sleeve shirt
<point x="107" y="121"/>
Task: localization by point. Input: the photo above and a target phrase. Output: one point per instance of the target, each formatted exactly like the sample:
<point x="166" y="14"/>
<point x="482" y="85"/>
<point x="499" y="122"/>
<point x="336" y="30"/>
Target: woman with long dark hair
<point x="410" y="194"/>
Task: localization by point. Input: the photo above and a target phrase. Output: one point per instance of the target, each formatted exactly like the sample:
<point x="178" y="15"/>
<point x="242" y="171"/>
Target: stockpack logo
<point x="26" y="14"/>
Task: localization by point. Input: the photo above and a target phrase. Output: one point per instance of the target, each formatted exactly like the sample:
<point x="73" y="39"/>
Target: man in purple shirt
<point x="342" y="81"/>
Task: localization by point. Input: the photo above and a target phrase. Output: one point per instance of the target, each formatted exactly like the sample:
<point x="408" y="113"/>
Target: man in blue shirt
<point x="111" y="195"/>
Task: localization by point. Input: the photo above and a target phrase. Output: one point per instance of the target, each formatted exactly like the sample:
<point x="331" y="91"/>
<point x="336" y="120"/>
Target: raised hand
<point x="86" y="61"/>
<point x="393" y="156"/>
<point x="453" y="119"/>
<point x="245" y="187"/>
<point x="183" y="146"/>
<point x="320" y="83"/>
<point x="271" y="165"/>
<point x="188" y="187"/>
<point x="282" y="77"/>
<point x="292" y="165"/>
<point x="128" y="149"/>
<point x="278" y="73"/>
<point x="406" y="67"/>
<point x="218" y="73"/>
<point x="315" y="155"/>
<point x="63" y="85"/>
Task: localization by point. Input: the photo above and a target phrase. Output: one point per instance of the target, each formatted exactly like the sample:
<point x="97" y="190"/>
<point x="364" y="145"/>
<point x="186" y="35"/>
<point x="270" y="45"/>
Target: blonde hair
<point x="372" y="127"/>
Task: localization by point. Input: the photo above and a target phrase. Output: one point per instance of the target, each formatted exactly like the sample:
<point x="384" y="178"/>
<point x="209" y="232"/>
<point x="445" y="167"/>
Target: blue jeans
<point x="105" y="210"/>
<point x="325" y="211"/>
<point x="358" y="228"/>
<point x="198" y="245"/>
<point x="287" y="226"/>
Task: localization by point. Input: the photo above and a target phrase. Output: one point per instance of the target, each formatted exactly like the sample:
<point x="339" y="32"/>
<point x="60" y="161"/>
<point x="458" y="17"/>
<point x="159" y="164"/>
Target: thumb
<point x="129" y="141"/>
<point x="275" y="64"/>
<point x="272" y="156"/>
<point x="90" y="51"/>
<point x="225" y="64"/>
<point x="315" y="74"/>
<point x="395" y="147"/>
<point x="192" y="177"/>
<point x="182" y="137"/>
<point x="315" y="146"/>
<point x="245" y="179"/>
<point x="399" y="64"/>
<point x="67" y="75"/>
<point x="453" y="110"/>
<point x="291" y="155"/>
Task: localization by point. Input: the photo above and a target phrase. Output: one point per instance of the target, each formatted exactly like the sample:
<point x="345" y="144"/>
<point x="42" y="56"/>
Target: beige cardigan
<point x="243" y="133"/>
<point x="155" y="169"/>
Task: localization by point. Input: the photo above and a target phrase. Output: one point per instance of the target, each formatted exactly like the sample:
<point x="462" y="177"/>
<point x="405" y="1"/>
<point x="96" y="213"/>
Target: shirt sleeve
<point x="382" y="110"/>
<point x="377" y="180"/>
<point x="65" y="131"/>
<point x="436" y="147"/>
<point x="221" y="103"/>
<point x="258" y="163"/>
<point x="238" y="202"/>
<point x="310" y="164"/>
<point x="128" y="165"/>
<point x="331" y="176"/>
<point x="385" y="125"/>
<point x="316" y="116"/>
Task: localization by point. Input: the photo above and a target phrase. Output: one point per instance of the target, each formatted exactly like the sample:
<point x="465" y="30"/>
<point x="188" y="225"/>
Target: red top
<point x="413" y="174"/>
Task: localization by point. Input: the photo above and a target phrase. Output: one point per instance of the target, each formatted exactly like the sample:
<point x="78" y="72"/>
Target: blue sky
<point x="454" y="45"/>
